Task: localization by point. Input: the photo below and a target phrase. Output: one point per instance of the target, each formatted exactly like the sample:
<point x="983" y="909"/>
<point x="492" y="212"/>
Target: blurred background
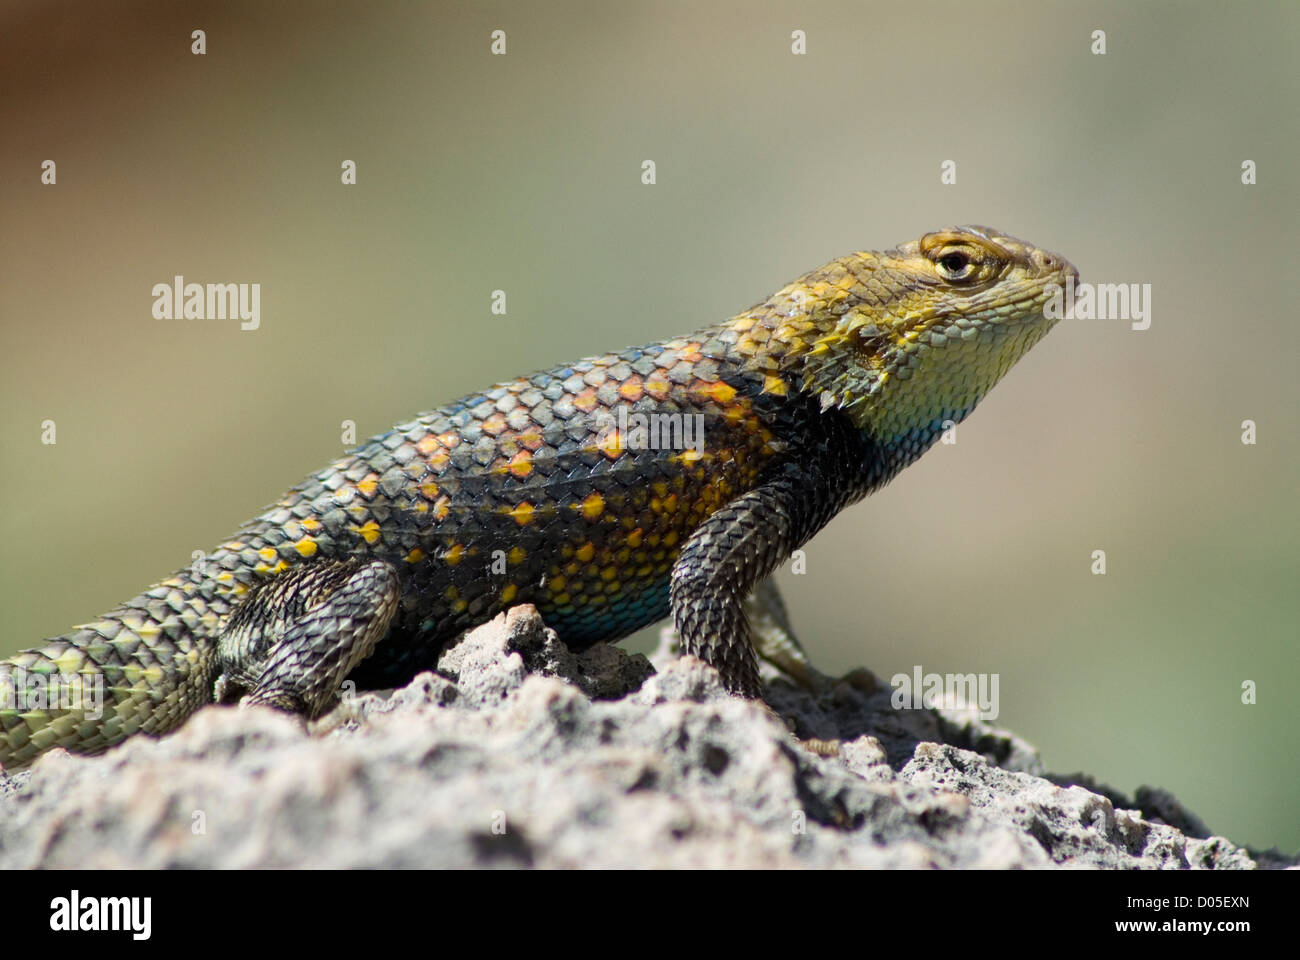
<point x="523" y="173"/>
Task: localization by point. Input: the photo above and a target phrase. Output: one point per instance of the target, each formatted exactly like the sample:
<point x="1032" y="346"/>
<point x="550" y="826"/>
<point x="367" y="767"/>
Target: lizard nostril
<point x="1049" y="262"/>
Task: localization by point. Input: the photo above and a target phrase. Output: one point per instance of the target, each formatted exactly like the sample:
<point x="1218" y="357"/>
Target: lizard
<point x="670" y="479"/>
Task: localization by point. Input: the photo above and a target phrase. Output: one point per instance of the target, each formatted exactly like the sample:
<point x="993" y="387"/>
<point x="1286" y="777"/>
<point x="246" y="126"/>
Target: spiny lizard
<point x="666" y="479"/>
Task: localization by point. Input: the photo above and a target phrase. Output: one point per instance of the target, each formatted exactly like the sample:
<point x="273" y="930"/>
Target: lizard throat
<point x="905" y="391"/>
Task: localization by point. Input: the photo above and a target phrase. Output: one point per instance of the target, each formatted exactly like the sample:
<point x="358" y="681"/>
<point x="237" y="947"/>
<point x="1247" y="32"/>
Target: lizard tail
<point x="130" y="672"/>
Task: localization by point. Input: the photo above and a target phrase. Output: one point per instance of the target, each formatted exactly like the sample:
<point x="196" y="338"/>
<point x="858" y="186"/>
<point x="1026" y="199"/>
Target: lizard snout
<point x="1048" y="262"/>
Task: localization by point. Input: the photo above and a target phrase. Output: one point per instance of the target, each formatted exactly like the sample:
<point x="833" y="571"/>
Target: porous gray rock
<point x="521" y="753"/>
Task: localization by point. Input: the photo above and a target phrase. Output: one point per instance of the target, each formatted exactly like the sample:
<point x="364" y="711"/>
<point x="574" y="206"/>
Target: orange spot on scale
<point x="658" y="388"/>
<point x="508" y="594"/>
<point x="586" y="552"/>
<point x="531" y="440"/>
<point x="721" y="392"/>
<point x="631" y="389"/>
<point x="586" y="401"/>
<point x="311" y="524"/>
<point x="415" y="556"/>
<point x="612" y="445"/>
<point x="438" y="462"/>
<point x="455" y="555"/>
<point x="429" y="490"/>
<point x="267" y="554"/>
<point x="450" y="439"/>
<point x="593" y="506"/>
<point x="368" y="486"/>
<point x="306" y="546"/>
<point x="369" y="532"/>
<point x="522" y="514"/>
<point x="522" y="464"/>
<point x="428" y="445"/>
<point x="495" y="425"/>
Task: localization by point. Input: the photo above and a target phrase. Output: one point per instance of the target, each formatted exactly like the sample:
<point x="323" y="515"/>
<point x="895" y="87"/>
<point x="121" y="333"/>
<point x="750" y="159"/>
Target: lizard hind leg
<point x="774" y="638"/>
<point x="294" y="639"/>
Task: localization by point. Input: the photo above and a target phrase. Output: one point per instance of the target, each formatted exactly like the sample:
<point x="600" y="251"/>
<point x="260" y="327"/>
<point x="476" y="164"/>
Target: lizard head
<point x="908" y="338"/>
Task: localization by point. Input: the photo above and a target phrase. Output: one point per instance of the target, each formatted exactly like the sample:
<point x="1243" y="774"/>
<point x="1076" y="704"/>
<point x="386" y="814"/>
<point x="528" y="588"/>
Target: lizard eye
<point x="955" y="265"/>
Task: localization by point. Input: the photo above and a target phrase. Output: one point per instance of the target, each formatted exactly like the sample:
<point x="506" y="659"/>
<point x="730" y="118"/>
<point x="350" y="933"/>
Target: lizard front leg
<point x="292" y="642"/>
<point x="728" y="556"/>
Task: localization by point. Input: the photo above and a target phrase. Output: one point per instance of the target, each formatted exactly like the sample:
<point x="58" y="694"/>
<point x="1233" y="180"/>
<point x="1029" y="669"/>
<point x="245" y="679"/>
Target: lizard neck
<point x="858" y="337"/>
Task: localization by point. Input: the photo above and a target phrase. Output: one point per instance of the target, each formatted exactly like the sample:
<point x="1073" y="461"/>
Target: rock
<point x="520" y="752"/>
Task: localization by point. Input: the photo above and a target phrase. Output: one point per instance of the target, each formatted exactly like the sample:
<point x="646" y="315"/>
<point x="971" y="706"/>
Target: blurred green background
<point x="522" y="172"/>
